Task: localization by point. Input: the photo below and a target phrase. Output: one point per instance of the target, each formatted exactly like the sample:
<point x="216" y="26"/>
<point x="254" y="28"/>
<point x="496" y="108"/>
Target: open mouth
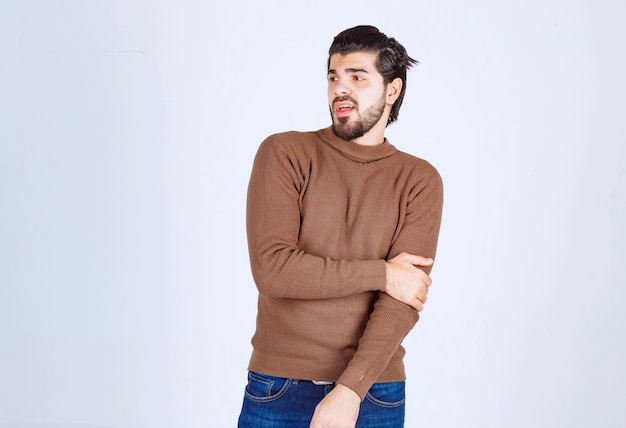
<point x="343" y="108"/>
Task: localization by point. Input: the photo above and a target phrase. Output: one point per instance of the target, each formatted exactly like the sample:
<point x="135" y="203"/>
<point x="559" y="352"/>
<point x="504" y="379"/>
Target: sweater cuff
<point x="357" y="380"/>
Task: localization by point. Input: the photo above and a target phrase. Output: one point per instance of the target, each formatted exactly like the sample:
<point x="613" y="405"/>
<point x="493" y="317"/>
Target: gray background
<point x="127" y="132"/>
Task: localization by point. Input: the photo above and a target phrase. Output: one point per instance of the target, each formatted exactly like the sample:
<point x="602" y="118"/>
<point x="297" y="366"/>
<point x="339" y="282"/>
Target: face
<point x="356" y="94"/>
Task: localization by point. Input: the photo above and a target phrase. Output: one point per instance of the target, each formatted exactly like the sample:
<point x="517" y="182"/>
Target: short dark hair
<point x="392" y="58"/>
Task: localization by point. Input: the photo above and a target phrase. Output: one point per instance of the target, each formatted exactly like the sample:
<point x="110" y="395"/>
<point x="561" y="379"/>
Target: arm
<point x="281" y="269"/>
<point x="340" y="407"/>
<point x="391" y="320"/>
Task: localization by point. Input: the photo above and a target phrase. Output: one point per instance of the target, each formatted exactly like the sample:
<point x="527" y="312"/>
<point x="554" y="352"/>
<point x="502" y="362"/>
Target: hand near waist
<point x="406" y="282"/>
<point x="339" y="409"/>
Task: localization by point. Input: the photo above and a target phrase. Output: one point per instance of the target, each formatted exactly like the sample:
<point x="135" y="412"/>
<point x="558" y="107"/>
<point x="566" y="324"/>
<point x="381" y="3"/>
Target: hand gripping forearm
<point x="406" y="282"/>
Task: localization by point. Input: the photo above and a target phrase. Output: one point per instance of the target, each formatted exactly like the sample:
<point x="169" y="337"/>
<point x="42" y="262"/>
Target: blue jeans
<point x="275" y="402"/>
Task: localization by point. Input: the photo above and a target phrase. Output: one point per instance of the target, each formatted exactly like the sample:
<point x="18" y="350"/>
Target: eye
<point x="358" y="78"/>
<point x="333" y="78"/>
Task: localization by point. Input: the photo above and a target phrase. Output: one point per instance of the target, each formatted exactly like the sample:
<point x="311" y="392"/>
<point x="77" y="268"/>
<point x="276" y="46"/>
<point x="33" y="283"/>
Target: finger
<point x="422" y="297"/>
<point x="419" y="260"/>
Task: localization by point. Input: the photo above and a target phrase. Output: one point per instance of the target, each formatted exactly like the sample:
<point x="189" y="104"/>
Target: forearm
<point x="388" y="325"/>
<point x="285" y="271"/>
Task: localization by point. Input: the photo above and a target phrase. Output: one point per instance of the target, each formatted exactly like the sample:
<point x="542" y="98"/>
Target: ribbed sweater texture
<point x="323" y="215"/>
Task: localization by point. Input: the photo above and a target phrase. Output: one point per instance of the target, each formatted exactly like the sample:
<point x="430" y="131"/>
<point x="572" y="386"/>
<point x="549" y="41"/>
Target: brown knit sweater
<point x="323" y="214"/>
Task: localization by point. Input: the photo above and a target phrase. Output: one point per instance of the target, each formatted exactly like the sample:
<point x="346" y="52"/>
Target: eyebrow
<point x="349" y="70"/>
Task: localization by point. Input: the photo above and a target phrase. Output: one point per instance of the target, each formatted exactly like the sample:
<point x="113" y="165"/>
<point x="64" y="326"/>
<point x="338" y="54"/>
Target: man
<point x="342" y="231"/>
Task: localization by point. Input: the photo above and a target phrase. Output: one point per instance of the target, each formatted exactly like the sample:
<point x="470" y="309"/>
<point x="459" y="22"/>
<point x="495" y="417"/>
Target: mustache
<point x="345" y="98"/>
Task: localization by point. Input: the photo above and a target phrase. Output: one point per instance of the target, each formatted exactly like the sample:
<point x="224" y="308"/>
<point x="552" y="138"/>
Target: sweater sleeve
<point x="392" y="320"/>
<point x="280" y="269"/>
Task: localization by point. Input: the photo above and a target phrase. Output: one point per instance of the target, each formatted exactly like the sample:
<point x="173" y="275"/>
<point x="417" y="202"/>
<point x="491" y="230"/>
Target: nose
<point x="339" y="88"/>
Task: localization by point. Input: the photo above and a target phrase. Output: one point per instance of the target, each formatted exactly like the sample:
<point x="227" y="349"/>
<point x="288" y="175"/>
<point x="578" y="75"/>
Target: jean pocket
<point x="262" y="387"/>
<point x="387" y="394"/>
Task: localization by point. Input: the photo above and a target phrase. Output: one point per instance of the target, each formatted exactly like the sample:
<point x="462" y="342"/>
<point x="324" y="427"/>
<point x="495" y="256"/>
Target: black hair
<point x="392" y="58"/>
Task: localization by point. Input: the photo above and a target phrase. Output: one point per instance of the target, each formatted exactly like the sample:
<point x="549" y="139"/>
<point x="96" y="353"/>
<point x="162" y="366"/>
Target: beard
<point x="347" y="130"/>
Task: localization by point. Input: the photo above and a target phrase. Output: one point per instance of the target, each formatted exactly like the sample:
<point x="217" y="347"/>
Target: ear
<point x="393" y="90"/>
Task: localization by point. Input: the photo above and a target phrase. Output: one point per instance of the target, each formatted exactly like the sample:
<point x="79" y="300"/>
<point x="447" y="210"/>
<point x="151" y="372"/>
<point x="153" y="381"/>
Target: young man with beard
<point x="342" y="232"/>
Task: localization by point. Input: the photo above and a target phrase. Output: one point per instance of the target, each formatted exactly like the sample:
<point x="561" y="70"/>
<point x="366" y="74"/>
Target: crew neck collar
<point x="355" y="151"/>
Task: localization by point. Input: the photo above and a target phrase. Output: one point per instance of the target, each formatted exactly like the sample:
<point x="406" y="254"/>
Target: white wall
<point x="127" y="131"/>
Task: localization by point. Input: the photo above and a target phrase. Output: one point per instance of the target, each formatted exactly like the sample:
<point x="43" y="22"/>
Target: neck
<point x="370" y="140"/>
